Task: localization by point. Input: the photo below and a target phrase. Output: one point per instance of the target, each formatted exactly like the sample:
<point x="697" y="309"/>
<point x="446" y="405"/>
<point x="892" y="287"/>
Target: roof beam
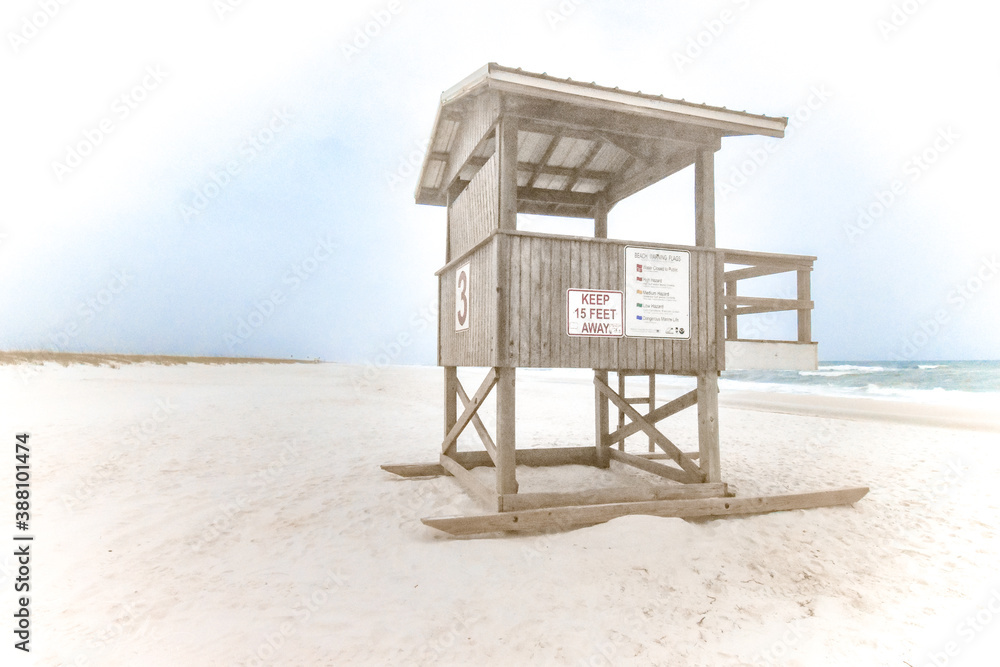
<point x="569" y="171"/>
<point x="646" y="174"/>
<point x="561" y="210"/>
<point x="539" y="195"/>
<point x="555" y="171"/>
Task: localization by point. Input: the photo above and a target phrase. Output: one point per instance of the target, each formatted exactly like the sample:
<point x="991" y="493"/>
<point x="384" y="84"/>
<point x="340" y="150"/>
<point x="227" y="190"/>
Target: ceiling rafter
<point x="557" y="135"/>
<point x="587" y="159"/>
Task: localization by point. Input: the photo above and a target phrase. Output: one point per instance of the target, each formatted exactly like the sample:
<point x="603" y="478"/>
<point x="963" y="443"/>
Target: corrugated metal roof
<point x="499" y="73"/>
<point x="609" y="158"/>
<point x="618" y="141"/>
<point x="531" y="146"/>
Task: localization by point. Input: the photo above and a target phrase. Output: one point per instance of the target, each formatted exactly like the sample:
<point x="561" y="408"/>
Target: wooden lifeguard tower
<point x="507" y="141"/>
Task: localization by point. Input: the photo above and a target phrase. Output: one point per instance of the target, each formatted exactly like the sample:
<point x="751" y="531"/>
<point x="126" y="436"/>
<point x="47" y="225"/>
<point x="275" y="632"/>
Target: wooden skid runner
<point x="564" y="518"/>
<point x="548" y="456"/>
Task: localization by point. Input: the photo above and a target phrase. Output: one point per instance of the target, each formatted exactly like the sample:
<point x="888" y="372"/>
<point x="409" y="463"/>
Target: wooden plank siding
<point x="540" y="268"/>
<point x="475" y="346"/>
<point x="475" y="213"/>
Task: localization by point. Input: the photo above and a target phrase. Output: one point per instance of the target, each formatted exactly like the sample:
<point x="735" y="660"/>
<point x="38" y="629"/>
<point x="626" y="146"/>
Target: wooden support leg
<point x="621" y="415"/>
<point x="450" y="404"/>
<point x="708" y="426"/>
<point x="506" y="464"/>
<point x="652" y="405"/>
<point x="601" y="416"/>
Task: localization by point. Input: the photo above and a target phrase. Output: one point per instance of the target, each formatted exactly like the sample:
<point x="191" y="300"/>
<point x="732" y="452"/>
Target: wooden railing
<point x="755" y="265"/>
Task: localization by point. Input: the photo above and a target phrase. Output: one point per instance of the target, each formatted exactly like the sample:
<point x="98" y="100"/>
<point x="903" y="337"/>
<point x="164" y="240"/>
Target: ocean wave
<point x="928" y="366"/>
<point x="841" y="370"/>
<point x="932" y="395"/>
<point x="827" y="374"/>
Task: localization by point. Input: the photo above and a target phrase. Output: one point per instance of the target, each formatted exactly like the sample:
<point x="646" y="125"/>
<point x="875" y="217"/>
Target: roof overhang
<point x="576" y="140"/>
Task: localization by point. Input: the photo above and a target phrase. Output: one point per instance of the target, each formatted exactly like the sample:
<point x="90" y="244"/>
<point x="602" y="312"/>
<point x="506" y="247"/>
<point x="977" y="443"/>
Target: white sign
<point x="462" y="298"/>
<point x="657" y="293"/>
<point x="593" y="312"/>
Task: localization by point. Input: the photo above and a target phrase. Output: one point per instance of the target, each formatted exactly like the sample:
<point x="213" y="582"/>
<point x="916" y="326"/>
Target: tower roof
<point x="576" y="141"/>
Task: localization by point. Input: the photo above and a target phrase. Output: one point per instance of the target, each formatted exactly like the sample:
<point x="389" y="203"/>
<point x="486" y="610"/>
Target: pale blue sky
<point x="296" y="139"/>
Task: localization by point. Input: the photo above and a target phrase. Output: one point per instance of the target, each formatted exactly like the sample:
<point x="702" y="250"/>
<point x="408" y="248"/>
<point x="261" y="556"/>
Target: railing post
<point x="732" y="333"/>
<point x="805" y="314"/>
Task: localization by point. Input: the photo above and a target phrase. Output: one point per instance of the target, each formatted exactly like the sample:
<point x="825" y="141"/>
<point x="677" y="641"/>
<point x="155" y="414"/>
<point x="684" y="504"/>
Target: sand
<point x="236" y="515"/>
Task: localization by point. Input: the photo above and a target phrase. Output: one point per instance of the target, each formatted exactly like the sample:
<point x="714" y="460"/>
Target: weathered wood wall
<point x="475" y="213"/>
<point x="475" y="346"/>
<point x="540" y="270"/>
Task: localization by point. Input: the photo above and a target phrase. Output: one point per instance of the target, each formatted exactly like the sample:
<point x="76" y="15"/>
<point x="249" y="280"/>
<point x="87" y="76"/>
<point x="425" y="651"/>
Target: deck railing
<point x="755" y="265"/>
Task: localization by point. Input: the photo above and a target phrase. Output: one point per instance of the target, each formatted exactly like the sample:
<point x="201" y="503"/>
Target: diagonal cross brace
<point x="470" y="410"/>
<point x="670" y="448"/>
<point x="659" y="414"/>
<point x="484" y="434"/>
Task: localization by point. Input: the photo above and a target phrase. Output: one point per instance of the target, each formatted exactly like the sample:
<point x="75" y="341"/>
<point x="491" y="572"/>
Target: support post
<point x="507" y="148"/>
<point x="601" y="410"/>
<point x="601" y="217"/>
<point x="704" y="198"/>
<point x="506" y="442"/>
<point x="506" y="137"/>
<point x="708" y="426"/>
<point x="805" y="314"/>
<point x="450" y="404"/>
<point x="621" y="415"/>
<point x="601" y="406"/>
<point x="652" y="405"/>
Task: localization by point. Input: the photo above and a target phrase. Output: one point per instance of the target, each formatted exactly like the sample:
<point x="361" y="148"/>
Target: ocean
<point x="974" y="383"/>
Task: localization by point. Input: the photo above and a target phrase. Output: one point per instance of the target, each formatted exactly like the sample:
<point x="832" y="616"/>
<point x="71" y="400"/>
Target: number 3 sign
<point x="462" y="298"/>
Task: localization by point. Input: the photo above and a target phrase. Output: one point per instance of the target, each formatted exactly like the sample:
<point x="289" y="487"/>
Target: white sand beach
<point x="195" y="514"/>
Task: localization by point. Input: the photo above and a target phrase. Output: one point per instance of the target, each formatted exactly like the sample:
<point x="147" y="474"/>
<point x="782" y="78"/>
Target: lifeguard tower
<point x="507" y="141"/>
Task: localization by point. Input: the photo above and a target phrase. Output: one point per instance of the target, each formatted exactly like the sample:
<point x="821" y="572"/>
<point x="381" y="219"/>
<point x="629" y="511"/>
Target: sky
<point x="236" y="177"/>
